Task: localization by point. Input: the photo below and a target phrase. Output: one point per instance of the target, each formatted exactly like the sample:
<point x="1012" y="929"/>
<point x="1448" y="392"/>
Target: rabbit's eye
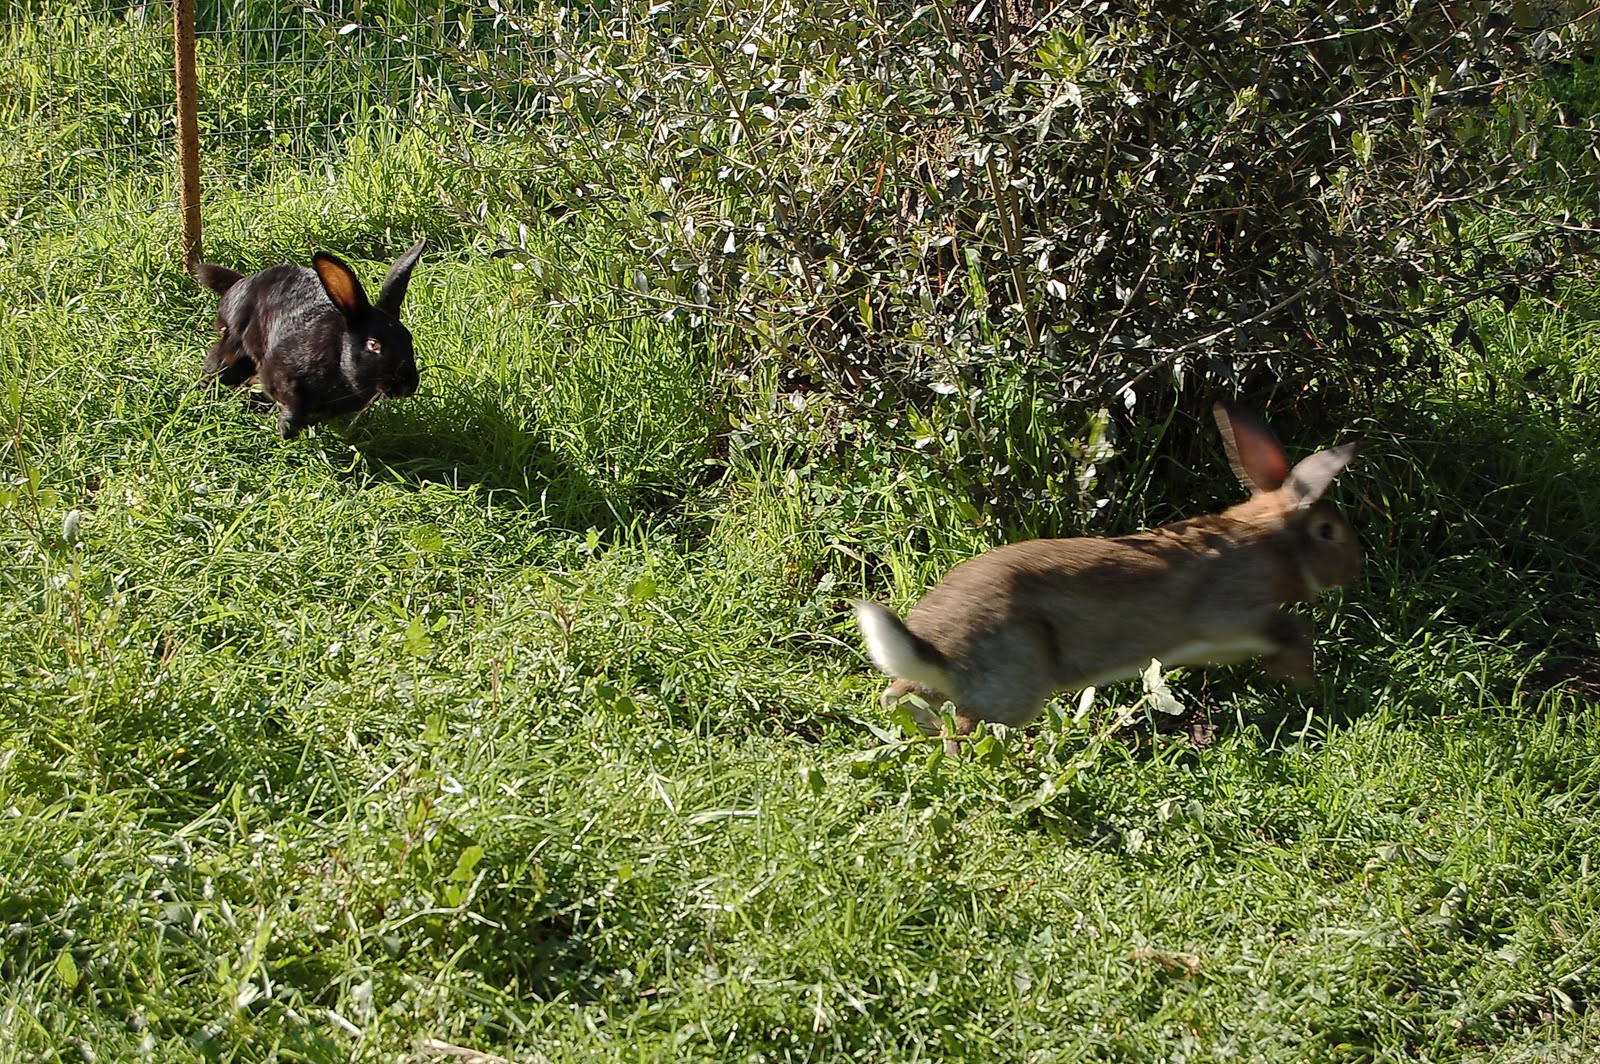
<point x="374" y="346"/>
<point x="1325" y="530"/>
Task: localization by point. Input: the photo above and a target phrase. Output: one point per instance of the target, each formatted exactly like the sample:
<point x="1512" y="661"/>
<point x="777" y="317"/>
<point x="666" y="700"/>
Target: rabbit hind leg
<point x="1291" y="660"/>
<point x="1018" y="678"/>
<point x="227" y="363"/>
<point x="921" y="702"/>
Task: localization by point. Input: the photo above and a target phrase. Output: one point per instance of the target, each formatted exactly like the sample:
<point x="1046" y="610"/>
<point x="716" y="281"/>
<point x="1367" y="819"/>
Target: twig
<point x="445" y="1049"/>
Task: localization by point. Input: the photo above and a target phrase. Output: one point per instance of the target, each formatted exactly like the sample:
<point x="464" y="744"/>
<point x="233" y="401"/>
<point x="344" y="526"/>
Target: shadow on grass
<point x="1487" y="518"/>
<point x="467" y="438"/>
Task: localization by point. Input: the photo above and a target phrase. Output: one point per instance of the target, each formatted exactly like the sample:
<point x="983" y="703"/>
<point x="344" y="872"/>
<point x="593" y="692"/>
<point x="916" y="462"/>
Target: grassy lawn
<point x="526" y="716"/>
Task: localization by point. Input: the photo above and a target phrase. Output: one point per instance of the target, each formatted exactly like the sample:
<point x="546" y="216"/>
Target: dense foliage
<point x="1255" y="194"/>
<point x="1010" y="224"/>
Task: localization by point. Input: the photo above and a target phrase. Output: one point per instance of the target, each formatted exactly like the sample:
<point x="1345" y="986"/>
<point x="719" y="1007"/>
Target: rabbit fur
<point x="311" y="339"/>
<point x="1004" y="631"/>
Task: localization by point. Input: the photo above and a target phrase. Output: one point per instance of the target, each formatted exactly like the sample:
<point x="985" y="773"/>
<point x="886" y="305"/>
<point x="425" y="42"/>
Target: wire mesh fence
<point x="285" y="91"/>
<point x="1119" y="192"/>
<point x="69" y="124"/>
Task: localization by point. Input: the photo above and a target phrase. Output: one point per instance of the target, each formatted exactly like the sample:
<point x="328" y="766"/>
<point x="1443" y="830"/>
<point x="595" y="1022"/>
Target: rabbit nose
<point x="404" y="383"/>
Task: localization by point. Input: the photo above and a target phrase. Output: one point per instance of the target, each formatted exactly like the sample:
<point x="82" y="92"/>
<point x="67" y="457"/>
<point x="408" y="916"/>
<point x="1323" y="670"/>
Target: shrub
<point x="1006" y="221"/>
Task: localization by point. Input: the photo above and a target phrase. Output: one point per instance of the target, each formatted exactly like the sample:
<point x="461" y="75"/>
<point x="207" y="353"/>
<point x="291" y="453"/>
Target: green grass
<point x="525" y="714"/>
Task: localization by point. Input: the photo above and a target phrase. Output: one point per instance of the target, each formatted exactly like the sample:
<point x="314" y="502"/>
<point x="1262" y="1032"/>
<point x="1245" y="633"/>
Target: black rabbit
<point x="309" y="337"/>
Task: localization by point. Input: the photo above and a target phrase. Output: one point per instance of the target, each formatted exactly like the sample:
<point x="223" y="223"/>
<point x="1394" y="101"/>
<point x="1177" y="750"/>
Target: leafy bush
<point x="1009" y="221"/>
<point x="993" y="241"/>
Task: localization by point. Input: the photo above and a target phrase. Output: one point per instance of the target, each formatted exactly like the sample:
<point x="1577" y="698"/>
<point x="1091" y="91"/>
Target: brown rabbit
<point x="1004" y="631"/>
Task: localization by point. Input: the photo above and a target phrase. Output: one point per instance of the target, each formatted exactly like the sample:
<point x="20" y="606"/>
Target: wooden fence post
<point x="188" y="130"/>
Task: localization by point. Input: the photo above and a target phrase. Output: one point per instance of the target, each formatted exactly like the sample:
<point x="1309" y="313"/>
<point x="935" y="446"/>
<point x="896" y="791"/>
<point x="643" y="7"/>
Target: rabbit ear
<point x="217" y="278"/>
<point x="398" y="278"/>
<point x="1253" y="451"/>
<point x="1312" y="475"/>
<point x="342" y="287"/>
